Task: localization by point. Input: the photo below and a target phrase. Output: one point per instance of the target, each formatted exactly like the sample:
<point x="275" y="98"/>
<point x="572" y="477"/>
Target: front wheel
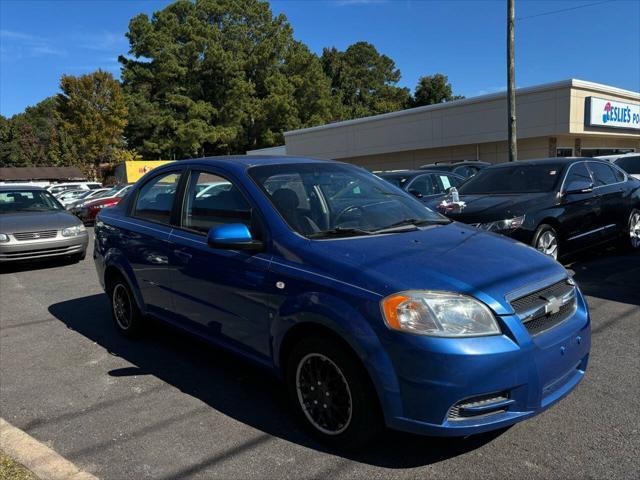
<point x="546" y="241"/>
<point x="332" y="393"/>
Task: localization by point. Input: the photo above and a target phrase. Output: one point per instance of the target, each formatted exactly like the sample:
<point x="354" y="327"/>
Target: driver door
<point x="582" y="212"/>
<point x="220" y="293"/>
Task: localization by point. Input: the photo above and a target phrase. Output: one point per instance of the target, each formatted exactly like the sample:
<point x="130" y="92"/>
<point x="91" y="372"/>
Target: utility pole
<point x="511" y="81"/>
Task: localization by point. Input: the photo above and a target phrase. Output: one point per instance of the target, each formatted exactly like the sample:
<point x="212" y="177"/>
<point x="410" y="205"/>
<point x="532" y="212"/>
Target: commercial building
<point x="566" y="118"/>
<point x="40" y="176"/>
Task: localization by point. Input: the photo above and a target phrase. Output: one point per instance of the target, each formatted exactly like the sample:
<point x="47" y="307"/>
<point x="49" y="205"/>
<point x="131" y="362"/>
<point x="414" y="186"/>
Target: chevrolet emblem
<point x="553" y="305"/>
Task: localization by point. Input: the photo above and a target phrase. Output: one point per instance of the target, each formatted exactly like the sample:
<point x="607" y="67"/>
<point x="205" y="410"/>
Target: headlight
<point x="4" y="237"/>
<point x="503" y="225"/>
<point x="73" y="231"/>
<point x="439" y="314"/>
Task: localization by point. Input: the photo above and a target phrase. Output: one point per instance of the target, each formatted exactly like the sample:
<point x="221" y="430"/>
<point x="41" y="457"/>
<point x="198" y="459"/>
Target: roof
<point x="13" y="188"/>
<point x="41" y="173"/>
<point x="571" y="83"/>
<point x="542" y="161"/>
<point x="254" y="160"/>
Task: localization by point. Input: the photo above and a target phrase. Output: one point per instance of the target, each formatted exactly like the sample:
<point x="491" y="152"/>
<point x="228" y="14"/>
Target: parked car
<point x="67" y="196"/>
<point x="86" y="196"/>
<point x="629" y="162"/>
<point x="464" y="168"/>
<point x="91" y="196"/>
<point x="33" y="225"/>
<point x="56" y="188"/>
<point x="556" y="205"/>
<point x="373" y="309"/>
<point x="87" y="211"/>
<point x="423" y="184"/>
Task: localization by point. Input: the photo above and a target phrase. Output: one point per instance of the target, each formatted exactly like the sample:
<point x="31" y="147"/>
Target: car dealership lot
<point x="168" y="406"/>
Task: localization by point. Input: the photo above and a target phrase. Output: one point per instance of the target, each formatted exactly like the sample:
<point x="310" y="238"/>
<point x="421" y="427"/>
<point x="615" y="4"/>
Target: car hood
<point x="489" y="208"/>
<point x="36" y="221"/>
<point x="450" y="257"/>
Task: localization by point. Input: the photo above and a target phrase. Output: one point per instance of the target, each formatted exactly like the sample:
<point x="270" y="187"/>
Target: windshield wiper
<point x="414" y="222"/>
<point x="339" y="232"/>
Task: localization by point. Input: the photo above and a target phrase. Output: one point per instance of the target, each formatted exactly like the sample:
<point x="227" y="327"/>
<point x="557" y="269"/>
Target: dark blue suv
<point x="373" y="309"/>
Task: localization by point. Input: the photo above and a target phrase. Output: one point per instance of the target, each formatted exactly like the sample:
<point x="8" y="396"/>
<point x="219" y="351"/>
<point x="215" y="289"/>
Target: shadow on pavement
<point x="25" y="265"/>
<point x="236" y="388"/>
<point x="608" y="274"/>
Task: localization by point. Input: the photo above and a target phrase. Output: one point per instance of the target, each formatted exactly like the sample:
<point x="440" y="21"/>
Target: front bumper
<point x="530" y="374"/>
<point x="32" y="250"/>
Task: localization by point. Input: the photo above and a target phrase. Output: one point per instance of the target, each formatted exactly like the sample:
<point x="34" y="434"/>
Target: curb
<point x="45" y="463"/>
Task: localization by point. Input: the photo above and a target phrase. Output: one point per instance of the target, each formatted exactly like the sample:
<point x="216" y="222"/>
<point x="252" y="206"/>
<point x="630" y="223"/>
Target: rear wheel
<point x="332" y="393"/>
<point x="631" y="236"/>
<point x="125" y="312"/>
<point x="546" y="241"/>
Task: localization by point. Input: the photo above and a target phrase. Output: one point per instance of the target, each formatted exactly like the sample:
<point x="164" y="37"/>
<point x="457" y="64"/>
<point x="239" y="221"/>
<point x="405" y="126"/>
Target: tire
<point x="125" y="312"/>
<point x="630" y="239"/>
<point x="546" y="241"/>
<point x="353" y="416"/>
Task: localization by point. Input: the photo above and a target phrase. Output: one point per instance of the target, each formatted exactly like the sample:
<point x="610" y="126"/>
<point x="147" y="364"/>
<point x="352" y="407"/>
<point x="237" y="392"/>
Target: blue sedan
<point x="374" y="310"/>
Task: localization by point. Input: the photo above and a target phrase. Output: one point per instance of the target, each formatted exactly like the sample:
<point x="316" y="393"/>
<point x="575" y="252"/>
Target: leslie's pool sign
<point x="611" y="114"/>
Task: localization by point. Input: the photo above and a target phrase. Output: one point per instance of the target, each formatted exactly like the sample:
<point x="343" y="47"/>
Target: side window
<point x="155" y="200"/>
<point x="422" y="185"/>
<point x="213" y="200"/>
<point x="602" y="174"/>
<point x="444" y="182"/>
<point x="465" y="171"/>
<point x="630" y="164"/>
<point x="578" y="177"/>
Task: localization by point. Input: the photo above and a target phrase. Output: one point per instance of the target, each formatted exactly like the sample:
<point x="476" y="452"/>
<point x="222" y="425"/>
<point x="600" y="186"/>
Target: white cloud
<point x="19" y="45"/>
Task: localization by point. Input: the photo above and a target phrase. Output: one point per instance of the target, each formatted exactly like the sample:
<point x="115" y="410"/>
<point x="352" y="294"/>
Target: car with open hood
<point x="372" y="309"/>
<point x="556" y="205"/>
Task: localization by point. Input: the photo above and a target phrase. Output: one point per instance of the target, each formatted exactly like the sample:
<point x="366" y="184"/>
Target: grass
<point x="12" y="470"/>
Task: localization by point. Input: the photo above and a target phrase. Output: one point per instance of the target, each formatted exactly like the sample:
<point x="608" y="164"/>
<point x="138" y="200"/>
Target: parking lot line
<point x="44" y="462"/>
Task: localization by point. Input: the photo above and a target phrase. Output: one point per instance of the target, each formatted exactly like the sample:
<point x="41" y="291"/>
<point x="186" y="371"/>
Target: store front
<point x="567" y="118"/>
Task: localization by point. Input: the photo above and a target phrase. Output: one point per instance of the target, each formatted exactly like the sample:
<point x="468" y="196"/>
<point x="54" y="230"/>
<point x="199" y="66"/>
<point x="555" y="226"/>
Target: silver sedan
<point x="34" y="225"/>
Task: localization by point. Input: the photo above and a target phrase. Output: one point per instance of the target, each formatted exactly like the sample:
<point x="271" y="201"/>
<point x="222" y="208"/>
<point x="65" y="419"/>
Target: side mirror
<point x="579" y="187"/>
<point x="233" y="236"/>
<point x="415" y="193"/>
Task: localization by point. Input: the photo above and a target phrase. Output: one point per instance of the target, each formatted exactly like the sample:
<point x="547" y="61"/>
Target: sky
<point x="592" y="40"/>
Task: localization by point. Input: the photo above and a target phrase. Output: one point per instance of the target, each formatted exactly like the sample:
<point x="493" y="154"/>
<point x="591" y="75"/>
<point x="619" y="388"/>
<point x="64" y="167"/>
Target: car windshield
<point x="513" y="179"/>
<point x="27" y="201"/>
<point x="322" y="200"/>
<point x="397" y="179"/>
<point x="629" y="164"/>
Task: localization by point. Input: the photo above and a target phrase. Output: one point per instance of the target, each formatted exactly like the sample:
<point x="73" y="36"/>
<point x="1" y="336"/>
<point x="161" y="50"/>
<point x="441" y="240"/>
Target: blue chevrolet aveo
<point x="373" y="309"/>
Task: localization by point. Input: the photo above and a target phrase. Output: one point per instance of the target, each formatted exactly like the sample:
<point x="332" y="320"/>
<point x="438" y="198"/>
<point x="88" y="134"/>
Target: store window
<point x="564" y="152"/>
<point x="599" y="152"/>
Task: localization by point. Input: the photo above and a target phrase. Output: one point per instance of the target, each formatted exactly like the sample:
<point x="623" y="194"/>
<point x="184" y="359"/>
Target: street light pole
<point x="511" y="81"/>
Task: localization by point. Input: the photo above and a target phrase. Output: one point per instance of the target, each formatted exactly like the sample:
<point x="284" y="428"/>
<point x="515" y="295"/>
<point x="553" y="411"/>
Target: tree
<point x="92" y="114"/>
<point x="433" y="89"/>
<point x="218" y="76"/>
<point x="364" y="80"/>
<point x="28" y="138"/>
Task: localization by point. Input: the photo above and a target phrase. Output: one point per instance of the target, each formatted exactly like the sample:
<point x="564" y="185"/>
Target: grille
<point x="458" y="412"/>
<point x="35" y="235"/>
<point x="531" y="307"/>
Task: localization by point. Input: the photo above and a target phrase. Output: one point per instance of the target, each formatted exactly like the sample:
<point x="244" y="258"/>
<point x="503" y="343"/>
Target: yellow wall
<point x="137" y="168"/>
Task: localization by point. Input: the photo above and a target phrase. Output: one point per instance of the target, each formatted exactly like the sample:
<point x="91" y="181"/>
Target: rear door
<point x="609" y="186"/>
<point x="145" y="240"/>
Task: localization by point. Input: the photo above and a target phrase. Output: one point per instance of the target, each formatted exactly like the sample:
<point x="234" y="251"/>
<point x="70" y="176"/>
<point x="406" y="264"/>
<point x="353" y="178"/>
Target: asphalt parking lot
<point x="168" y="406"/>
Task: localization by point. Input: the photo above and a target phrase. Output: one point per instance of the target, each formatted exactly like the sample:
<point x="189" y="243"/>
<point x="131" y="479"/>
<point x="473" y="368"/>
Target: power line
<point x="564" y="10"/>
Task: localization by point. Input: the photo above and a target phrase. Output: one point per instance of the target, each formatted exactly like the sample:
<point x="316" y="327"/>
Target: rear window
<point x="630" y="164"/>
<point x="514" y="179"/>
<point x="602" y="173"/>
